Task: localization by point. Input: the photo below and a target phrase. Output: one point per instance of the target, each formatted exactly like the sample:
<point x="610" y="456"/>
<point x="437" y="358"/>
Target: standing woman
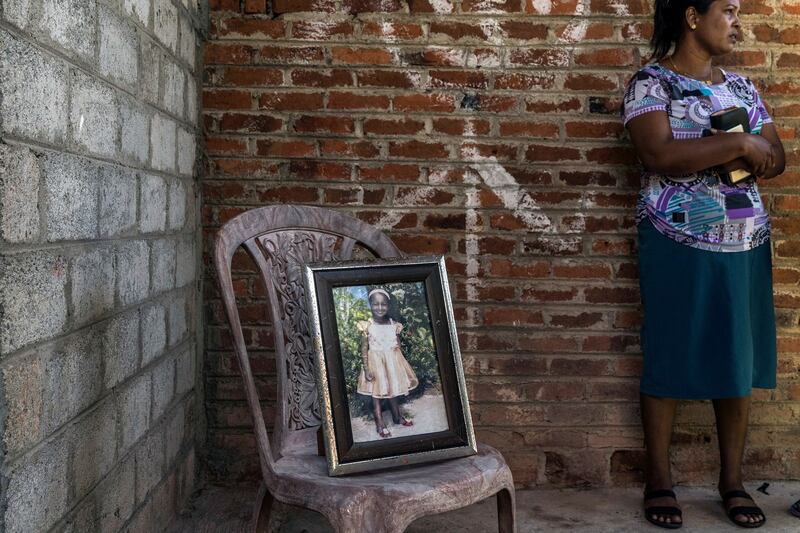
<point x="704" y="246"/>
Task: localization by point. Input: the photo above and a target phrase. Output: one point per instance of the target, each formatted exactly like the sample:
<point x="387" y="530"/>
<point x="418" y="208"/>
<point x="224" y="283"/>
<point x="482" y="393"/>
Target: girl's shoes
<point x="406" y="422"/>
<point x="383" y="432"/>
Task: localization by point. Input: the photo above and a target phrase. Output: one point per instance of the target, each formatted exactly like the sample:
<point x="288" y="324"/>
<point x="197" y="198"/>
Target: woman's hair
<point x="668" y="23"/>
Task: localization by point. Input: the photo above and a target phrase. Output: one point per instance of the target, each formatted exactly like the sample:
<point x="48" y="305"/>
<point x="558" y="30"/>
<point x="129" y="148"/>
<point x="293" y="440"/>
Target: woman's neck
<point x="692" y="62"/>
<point x="384" y="320"/>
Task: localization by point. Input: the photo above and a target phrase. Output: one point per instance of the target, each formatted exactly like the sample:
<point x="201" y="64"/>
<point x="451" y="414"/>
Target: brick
<point x="192" y="103"/>
<point x="185" y="372"/>
<point x="296" y="6"/>
<point x="227" y="54"/>
<point x="119" y="47"/>
<point x="162" y="142"/>
<point x="390" y="78"/>
<point x="134" y="131"/>
<point x="151" y="59"/>
<point x="33" y="299"/>
<point x="174" y="87"/>
<point x="93" y="446"/>
<point x="186" y="152"/>
<point x="165" y="23"/>
<point x="133" y="258"/>
<point x="152" y="203"/>
<point x="458" y="31"/>
<point x="71" y="192"/>
<point x="321" y="78"/>
<point x="92" y="284"/>
<point x="118" y="191"/>
<point x="430" y="6"/>
<point x="18" y="12"/>
<point x="133" y="411"/>
<point x="94" y="115"/>
<point x="177" y="320"/>
<point x="539" y="57"/>
<point x="154" y="332"/>
<point x="290" y="101"/>
<point x="71" y="24"/>
<point x="23" y="382"/>
<point x="177" y="205"/>
<point x="339" y="100"/>
<point x="238" y="27"/>
<point x="371" y="6"/>
<point x="255" y="6"/>
<point x="149" y="464"/>
<point x="163" y="265"/>
<point x="119" y="338"/>
<point x="188" y="44"/>
<point x="321" y="30"/>
<point x="185" y="269"/>
<point x="176" y="432"/>
<point x="37" y="489"/>
<point x="300" y="55"/>
<point x="392" y="31"/>
<point x="19" y="194"/>
<point x="140" y="9"/>
<point x="73" y="379"/>
<point x="324" y="124"/>
<point x="524" y="82"/>
<point x="117" y="503"/>
<point x="163" y="377"/>
<point x="34" y="88"/>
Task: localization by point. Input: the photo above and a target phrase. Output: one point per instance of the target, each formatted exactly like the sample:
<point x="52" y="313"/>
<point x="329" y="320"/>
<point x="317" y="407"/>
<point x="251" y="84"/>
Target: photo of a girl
<point x="390" y="361"/>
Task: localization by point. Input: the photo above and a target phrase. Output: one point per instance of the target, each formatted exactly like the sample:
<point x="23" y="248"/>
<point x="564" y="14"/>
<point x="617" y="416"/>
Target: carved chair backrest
<point x="280" y="240"/>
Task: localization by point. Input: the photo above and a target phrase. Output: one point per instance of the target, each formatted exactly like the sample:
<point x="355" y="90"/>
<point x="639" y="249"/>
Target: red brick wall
<point x="487" y="131"/>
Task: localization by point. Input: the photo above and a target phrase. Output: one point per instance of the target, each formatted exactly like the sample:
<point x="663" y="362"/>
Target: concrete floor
<point x="617" y="510"/>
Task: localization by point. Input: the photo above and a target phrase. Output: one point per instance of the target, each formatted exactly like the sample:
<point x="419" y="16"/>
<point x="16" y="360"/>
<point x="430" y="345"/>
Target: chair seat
<point x="408" y="492"/>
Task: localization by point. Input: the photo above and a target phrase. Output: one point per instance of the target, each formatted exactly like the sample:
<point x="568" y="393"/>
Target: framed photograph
<point x="390" y="377"/>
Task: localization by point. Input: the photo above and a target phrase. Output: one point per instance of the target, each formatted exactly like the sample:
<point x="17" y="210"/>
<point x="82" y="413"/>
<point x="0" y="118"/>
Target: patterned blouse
<point x="698" y="209"/>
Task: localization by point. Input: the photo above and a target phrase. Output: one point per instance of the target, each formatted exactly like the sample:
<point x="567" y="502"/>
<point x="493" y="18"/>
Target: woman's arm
<point x="770" y="133"/>
<point x="651" y="136"/>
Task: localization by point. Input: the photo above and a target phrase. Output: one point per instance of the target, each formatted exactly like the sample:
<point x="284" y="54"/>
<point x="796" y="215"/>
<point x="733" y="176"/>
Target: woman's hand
<point x="759" y="155"/>
<point x="369" y="375"/>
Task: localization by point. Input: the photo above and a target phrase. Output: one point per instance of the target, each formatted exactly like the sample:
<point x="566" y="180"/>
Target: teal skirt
<point x="709" y="320"/>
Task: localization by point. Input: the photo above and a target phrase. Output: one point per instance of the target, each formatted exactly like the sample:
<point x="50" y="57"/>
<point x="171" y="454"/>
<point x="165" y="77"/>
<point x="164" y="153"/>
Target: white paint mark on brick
<point x="543" y="7"/>
<point x="491" y="29"/>
<point x="441" y="6"/>
<point x="508" y="190"/>
<point x="576" y="28"/>
<point x="620" y="7"/>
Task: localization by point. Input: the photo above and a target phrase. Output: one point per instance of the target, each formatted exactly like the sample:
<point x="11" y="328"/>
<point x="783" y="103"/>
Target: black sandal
<point x="668" y="510"/>
<point x="743" y="509"/>
<point x="795" y="509"/>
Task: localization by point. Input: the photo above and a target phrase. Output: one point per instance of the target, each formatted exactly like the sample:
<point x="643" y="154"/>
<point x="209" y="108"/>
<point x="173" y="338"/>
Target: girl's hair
<point x="379" y="291"/>
<point x="668" y="23"/>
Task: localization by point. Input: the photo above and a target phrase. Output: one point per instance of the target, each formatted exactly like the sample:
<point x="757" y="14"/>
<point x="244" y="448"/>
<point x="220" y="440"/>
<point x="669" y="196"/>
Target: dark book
<point x="732" y="119"/>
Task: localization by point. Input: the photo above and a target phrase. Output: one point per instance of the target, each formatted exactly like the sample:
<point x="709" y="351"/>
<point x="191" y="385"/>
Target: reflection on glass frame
<point x="390" y="377"/>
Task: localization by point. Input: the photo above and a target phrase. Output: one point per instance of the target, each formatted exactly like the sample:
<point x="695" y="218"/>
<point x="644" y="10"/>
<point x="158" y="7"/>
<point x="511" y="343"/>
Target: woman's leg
<point x="732" y="416"/>
<point x="657" y="417"/>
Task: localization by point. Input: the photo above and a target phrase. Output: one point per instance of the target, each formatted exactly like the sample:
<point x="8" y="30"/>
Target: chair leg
<point x="261" y="510"/>
<point x="506" y="511"/>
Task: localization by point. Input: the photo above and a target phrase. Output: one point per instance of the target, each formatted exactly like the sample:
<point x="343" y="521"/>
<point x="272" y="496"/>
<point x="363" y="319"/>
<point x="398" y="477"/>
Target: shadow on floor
<point x="217" y="509"/>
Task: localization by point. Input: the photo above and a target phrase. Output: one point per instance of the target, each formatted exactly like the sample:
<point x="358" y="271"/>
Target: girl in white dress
<point x="385" y="373"/>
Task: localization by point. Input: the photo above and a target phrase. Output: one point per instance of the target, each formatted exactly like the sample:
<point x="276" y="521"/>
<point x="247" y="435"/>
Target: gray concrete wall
<point x="98" y="262"/>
